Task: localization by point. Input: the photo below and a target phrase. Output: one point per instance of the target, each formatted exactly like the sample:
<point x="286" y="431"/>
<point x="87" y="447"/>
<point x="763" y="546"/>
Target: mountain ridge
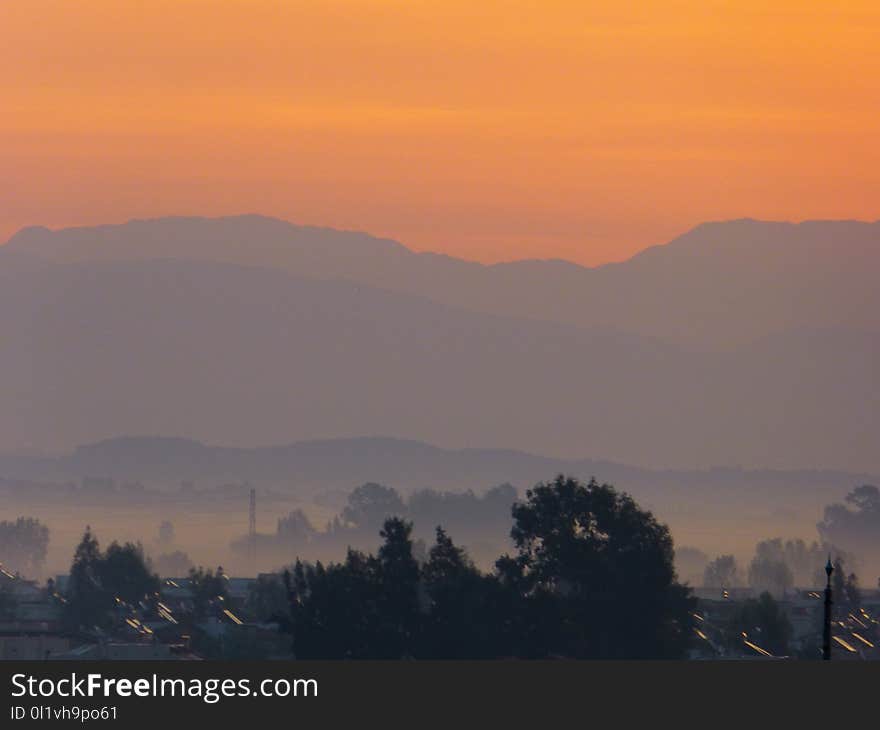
<point x="22" y="236"/>
<point x="247" y="351"/>
<point x="718" y="285"/>
<point x="162" y="458"/>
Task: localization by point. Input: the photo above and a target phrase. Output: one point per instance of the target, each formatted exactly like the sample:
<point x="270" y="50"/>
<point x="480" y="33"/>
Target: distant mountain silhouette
<point x="718" y="285"/>
<point x="343" y="463"/>
<point x="153" y="327"/>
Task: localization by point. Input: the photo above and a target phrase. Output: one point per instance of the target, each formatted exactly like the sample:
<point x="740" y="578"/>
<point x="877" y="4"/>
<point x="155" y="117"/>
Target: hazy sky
<point x="490" y="130"/>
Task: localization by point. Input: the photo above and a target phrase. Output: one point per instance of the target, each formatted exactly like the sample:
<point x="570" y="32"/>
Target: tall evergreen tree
<point x="88" y="603"/>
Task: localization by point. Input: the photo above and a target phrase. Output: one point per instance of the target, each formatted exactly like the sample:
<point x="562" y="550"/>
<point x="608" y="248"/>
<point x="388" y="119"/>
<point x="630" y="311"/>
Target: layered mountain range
<point x="742" y="342"/>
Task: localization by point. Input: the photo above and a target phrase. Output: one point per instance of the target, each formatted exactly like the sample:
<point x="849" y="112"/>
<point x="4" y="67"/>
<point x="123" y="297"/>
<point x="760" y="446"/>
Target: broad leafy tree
<point x="23" y="545"/>
<point x="769" y="570"/>
<point x="100" y="581"/>
<point x="126" y="573"/>
<point x="370" y="505"/>
<point x="595" y="575"/>
<point x="855" y="525"/>
<point x="721" y="573"/>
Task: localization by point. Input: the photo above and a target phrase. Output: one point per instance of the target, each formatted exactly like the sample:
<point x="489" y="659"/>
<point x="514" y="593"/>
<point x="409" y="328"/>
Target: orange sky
<point x="490" y="130"/>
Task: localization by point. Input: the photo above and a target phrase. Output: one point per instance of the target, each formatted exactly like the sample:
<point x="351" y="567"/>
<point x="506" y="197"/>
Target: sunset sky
<point x="488" y="130"/>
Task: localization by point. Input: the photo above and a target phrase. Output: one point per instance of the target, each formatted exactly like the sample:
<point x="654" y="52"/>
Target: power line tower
<point x="252" y="529"/>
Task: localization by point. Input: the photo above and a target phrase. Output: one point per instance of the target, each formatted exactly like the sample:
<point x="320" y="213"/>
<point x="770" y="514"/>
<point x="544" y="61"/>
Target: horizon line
<point x="501" y="262"/>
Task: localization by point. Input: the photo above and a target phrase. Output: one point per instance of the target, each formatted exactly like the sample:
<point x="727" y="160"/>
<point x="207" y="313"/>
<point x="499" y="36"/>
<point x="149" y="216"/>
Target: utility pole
<point x="826" y="635"/>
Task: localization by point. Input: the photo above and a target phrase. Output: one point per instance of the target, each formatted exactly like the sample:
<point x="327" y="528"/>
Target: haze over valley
<point x="742" y="343"/>
<point x="157" y="370"/>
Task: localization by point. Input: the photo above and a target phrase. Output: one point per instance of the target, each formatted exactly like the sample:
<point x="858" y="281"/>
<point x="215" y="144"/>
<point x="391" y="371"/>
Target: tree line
<point x="472" y="517"/>
<point x="591" y="576"/>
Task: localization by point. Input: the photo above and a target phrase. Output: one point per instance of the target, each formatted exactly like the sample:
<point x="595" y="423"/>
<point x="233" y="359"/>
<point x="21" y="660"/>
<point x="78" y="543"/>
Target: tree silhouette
<point x="769" y="570"/>
<point x="847" y="595"/>
<point x="595" y="574"/>
<point x="126" y="574"/>
<point x="209" y="590"/>
<point x="295" y="530"/>
<point x="268" y="600"/>
<point x="761" y="621"/>
<point x="23" y="545"/>
<point x="854" y="526"/>
<point x="592" y="577"/>
<point x="463" y="620"/>
<point x="721" y="573"/>
<point x="334" y="609"/>
<point x="99" y="581"/>
<point x="398" y="606"/>
<point x="371" y="504"/>
<point x="88" y="602"/>
<point x="366" y="607"/>
<point x="172" y="565"/>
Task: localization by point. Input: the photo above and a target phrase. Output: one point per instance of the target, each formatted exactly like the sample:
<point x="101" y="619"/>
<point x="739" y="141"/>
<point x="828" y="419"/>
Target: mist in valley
<point x="272" y="357"/>
<point x="187" y="523"/>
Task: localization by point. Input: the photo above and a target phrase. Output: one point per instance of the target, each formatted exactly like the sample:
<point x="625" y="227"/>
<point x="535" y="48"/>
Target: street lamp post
<point x="826" y="636"/>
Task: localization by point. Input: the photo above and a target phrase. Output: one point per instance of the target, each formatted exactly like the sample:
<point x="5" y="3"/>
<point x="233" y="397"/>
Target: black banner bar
<point x="135" y="694"/>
